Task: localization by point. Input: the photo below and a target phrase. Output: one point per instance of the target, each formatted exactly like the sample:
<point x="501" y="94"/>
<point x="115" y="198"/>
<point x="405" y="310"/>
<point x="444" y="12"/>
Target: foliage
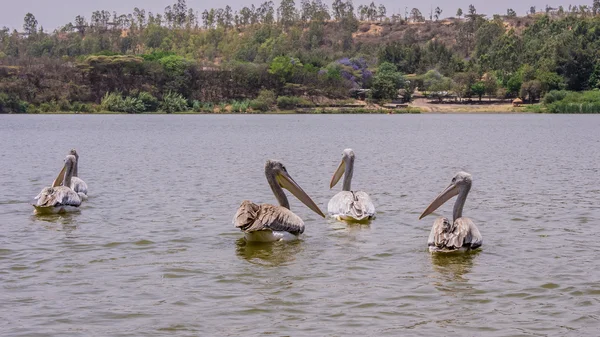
<point x="173" y="102"/>
<point x="264" y="101"/>
<point x="11" y="104"/>
<point x="290" y="102"/>
<point x="386" y="82"/>
<point x="115" y="102"/>
<point x="229" y="55"/>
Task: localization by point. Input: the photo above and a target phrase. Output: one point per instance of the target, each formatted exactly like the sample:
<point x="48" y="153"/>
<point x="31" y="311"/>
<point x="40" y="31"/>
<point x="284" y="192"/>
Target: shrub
<point x="115" y="102"/>
<point x="12" y="104"/>
<point x="264" y="101"/>
<point x="240" y="106"/>
<point x="290" y="102"/>
<point x="150" y="102"/>
<point x="173" y="102"/>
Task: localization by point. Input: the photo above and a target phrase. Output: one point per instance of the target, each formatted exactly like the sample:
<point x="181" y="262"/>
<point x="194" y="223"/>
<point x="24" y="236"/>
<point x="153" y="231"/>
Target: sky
<point x="51" y="14"/>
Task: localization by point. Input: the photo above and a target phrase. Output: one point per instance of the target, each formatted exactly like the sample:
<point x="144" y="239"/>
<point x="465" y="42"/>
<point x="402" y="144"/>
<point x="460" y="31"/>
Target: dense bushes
<point x="264" y="101"/>
<point x="115" y="102"/>
<point x="573" y="102"/>
<point x="290" y="102"/>
<point x="11" y="104"/>
<point x="173" y="102"/>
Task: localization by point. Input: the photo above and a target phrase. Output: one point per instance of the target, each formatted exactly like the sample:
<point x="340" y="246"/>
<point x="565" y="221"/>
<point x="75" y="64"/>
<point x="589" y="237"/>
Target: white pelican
<point x="462" y="232"/>
<point x="77" y="184"/>
<point x="348" y="205"/>
<point x="268" y="223"/>
<point x="59" y="198"/>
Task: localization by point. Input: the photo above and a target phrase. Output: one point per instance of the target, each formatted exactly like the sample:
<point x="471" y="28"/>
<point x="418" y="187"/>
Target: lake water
<point x="153" y="252"/>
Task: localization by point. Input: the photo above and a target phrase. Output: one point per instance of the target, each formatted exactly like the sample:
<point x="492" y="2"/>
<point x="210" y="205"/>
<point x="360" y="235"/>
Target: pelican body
<point x="269" y="223"/>
<point x="59" y="198"/>
<point x="461" y="233"/>
<point x="77" y="184"/>
<point x="348" y="205"/>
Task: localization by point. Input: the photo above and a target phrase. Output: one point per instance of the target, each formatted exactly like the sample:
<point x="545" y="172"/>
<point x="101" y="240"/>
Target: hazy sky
<point x="53" y="13"/>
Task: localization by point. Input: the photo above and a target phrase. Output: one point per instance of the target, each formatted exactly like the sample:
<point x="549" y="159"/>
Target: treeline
<point x="308" y="49"/>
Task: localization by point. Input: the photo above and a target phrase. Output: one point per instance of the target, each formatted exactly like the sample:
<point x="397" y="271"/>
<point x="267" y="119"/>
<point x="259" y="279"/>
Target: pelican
<point x="349" y="205"/>
<point x="59" y="198"/>
<point x="461" y="234"/>
<point x="269" y="223"/>
<point x="77" y="184"/>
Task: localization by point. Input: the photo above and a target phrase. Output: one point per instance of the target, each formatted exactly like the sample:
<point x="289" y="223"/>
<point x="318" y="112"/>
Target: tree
<point x="30" y="24"/>
<point x="459" y="12"/>
<point x="532" y="10"/>
<point x="531" y="90"/>
<point x="596" y="7"/>
<point x="478" y="89"/>
<point x="491" y="85"/>
<point x="287" y="12"/>
<point x="438" y="13"/>
<point x="416" y="16"/>
<point x="511" y="13"/>
<point x="381" y="11"/>
<point x="472" y="10"/>
<point x="284" y="67"/>
<point x="436" y="84"/>
<point x="386" y="82"/>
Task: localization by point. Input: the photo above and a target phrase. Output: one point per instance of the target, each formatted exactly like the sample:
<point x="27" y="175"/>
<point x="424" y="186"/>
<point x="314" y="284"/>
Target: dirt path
<point x="492" y="107"/>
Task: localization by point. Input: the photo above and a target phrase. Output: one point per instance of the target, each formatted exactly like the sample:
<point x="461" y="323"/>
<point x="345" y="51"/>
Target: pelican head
<point x="346" y="167"/>
<point x="460" y="185"/>
<point x="278" y="178"/>
<point x="64" y="177"/>
<point x="73" y="152"/>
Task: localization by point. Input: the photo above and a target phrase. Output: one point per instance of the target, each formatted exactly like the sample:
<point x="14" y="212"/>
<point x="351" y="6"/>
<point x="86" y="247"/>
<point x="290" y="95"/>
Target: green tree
<point x="416" y="16"/>
<point x="511" y="13"/>
<point x="30" y="24"/>
<point x="284" y="67"/>
<point x="531" y="90"/>
<point x="436" y="84"/>
<point x="459" y="13"/>
<point x="386" y="82"/>
<point x="491" y="85"/>
<point x="478" y="89"/>
<point x="438" y="13"/>
<point x="287" y="13"/>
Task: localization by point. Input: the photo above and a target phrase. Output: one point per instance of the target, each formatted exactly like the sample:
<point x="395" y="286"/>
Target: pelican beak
<point x="60" y="178"/>
<point x="286" y="181"/>
<point x="338" y="174"/>
<point x="446" y="195"/>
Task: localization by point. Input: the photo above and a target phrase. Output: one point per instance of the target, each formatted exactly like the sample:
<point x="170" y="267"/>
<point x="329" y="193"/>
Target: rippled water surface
<point x="153" y="251"/>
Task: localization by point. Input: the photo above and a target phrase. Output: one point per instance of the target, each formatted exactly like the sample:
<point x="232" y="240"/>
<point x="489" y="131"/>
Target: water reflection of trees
<point x="451" y="270"/>
<point x="268" y="254"/>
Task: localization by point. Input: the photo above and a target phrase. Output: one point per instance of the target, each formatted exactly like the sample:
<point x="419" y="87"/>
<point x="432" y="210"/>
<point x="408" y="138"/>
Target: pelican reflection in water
<point x="268" y="223"/>
<point x="461" y="233"/>
<point x="60" y="197"/>
<point x="348" y="205"/>
<point x="77" y="184"/>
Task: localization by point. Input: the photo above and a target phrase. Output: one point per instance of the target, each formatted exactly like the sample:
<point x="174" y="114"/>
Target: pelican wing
<point x="79" y="186"/>
<point x="472" y="238"/>
<point x="57" y="196"/>
<point x="463" y="233"/>
<point x="251" y="217"/>
<point x="356" y="205"/>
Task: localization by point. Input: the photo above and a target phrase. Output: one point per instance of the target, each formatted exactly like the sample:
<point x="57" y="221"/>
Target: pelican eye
<point x="454" y="179"/>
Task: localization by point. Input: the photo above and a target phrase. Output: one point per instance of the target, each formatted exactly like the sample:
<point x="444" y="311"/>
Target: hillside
<point x="315" y="52"/>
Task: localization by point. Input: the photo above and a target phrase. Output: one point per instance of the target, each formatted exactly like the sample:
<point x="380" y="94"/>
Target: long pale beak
<point x="60" y="178"/>
<point x="338" y="174"/>
<point x="446" y="195"/>
<point x="286" y="181"/>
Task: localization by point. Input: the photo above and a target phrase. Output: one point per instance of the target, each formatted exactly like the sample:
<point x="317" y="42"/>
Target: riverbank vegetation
<point x="306" y="55"/>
